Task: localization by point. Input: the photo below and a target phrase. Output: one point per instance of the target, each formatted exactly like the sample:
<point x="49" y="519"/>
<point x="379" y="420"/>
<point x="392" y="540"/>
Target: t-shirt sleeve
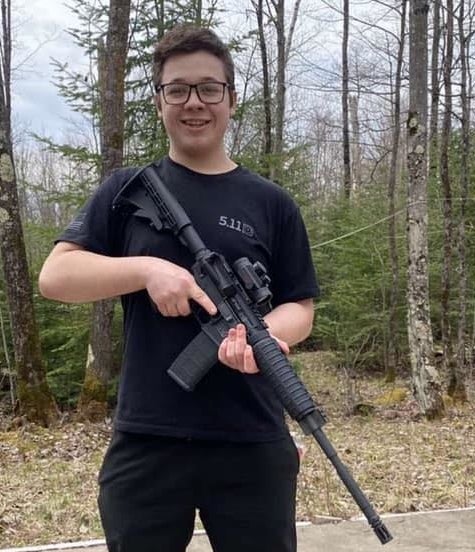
<point x="95" y="225"/>
<point x="293" y="273"/>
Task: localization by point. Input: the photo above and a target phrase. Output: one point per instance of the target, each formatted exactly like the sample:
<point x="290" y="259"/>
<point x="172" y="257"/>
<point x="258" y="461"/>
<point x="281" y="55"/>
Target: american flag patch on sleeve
<point x="76" y="224"/>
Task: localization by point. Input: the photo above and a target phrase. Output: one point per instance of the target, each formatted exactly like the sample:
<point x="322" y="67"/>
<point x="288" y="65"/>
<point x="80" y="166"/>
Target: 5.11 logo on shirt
<point x="237" y="225"/>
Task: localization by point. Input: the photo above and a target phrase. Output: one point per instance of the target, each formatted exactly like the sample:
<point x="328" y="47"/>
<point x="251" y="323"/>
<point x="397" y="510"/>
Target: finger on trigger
<point x="203" y="299"/>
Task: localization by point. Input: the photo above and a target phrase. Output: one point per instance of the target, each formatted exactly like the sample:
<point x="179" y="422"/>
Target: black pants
<point x="150" y="488"/>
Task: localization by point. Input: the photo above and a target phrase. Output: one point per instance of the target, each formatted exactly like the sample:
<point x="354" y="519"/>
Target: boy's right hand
<point x="171" y="287"/>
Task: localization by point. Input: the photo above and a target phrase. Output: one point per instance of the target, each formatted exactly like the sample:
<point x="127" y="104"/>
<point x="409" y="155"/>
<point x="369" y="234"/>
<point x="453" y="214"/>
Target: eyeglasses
<point x="178" y="93"/>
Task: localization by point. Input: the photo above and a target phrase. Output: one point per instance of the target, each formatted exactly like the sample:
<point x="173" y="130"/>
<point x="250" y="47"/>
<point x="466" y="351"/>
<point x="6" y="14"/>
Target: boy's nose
<point x="194" y="99"/>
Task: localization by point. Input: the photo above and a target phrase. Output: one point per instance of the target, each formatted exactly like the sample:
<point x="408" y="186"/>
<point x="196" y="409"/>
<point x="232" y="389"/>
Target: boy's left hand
<point x="236" y="353"/>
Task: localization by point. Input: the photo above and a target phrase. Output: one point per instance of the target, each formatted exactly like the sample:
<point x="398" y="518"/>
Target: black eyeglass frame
<point x="161" y="88"/>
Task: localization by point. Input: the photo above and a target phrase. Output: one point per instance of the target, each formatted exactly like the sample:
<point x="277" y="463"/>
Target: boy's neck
<point x="217" y="164"/>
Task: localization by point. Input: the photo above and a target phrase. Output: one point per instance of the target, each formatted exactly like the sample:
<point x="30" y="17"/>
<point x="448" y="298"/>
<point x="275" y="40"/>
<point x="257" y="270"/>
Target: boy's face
<point x="195" y="128"/>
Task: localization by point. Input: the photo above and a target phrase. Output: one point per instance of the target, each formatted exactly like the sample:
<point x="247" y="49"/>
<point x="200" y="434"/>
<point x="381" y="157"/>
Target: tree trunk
<point x="393" y="348"/>
<point x="277" y="165"/>
<point x="457" y="388"/>
<point x="425" y="378"/>
<point x="266" y="92"/>
<point x="435" y="95"/>
<point x="355" y="151"/>
<point x="93" y="399"/>
<point x="445" y="179"/>
<point x="274" y="105"/>
<point x="35" y="399"/>
<point x="290" y="36"/>
<point x="344" y="101"/>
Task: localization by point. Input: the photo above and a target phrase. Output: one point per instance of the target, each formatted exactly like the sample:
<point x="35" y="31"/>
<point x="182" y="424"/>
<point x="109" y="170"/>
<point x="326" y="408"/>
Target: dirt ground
<point x="402" y="462"/>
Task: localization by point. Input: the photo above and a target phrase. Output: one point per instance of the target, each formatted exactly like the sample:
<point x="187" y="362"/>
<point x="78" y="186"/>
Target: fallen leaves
<point x="48" y="482"/>
<point x="402" y="462"/>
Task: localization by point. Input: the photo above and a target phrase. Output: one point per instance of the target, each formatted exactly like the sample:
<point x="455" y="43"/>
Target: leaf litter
<point x="403" y="463"/>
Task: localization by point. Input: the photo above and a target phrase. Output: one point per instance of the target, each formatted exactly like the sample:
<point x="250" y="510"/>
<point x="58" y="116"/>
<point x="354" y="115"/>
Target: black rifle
<point x="241" y="296"/>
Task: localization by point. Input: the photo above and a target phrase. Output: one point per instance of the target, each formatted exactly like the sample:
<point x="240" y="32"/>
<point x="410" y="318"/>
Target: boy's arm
<point x="73" y="275"/>
<point x="291" y="322"/>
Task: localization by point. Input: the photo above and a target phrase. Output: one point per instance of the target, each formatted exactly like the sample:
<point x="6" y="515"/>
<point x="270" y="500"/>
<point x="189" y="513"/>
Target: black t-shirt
<point x="238" y="214"/>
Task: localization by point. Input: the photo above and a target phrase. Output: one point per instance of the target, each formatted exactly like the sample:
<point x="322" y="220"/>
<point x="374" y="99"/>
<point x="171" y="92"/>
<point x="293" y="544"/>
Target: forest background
<point x="331" y="99"/>
<point x="363" y="111"/>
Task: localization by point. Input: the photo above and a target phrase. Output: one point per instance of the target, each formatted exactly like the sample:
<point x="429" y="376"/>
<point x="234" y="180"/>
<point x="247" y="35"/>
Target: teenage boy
<point x="223" y="449"/>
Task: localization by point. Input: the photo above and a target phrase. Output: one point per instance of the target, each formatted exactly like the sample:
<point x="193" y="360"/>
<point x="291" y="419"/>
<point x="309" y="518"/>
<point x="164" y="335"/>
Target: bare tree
<point x="435" y="93"/>
<point x="393" y="349"/>
<point x="266" y="89"/>
<point x="111" y="66"/>
<point x="280" y="89"/>
<point x="270" y="23"/>
<point x="425" y="378"/>
<point x="344" y="100"/>
<point x="356" y="142"/>
<point x="35" y="399"/>
<point x="445" y="179"/>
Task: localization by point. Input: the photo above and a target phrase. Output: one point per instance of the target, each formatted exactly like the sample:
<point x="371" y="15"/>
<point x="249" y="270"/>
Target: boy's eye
<point x="177" y="90"/>
<point x="210" y="88"/>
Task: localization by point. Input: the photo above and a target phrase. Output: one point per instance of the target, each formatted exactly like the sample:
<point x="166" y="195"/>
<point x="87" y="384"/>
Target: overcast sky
<point x="39" y="34"/>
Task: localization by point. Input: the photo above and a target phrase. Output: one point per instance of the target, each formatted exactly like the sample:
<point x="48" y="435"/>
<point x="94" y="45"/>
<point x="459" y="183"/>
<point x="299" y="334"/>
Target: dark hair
<point x="187" y="39"/>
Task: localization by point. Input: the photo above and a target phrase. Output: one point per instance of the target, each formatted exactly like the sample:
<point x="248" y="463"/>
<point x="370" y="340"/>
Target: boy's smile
<point x="197" y="123"/>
